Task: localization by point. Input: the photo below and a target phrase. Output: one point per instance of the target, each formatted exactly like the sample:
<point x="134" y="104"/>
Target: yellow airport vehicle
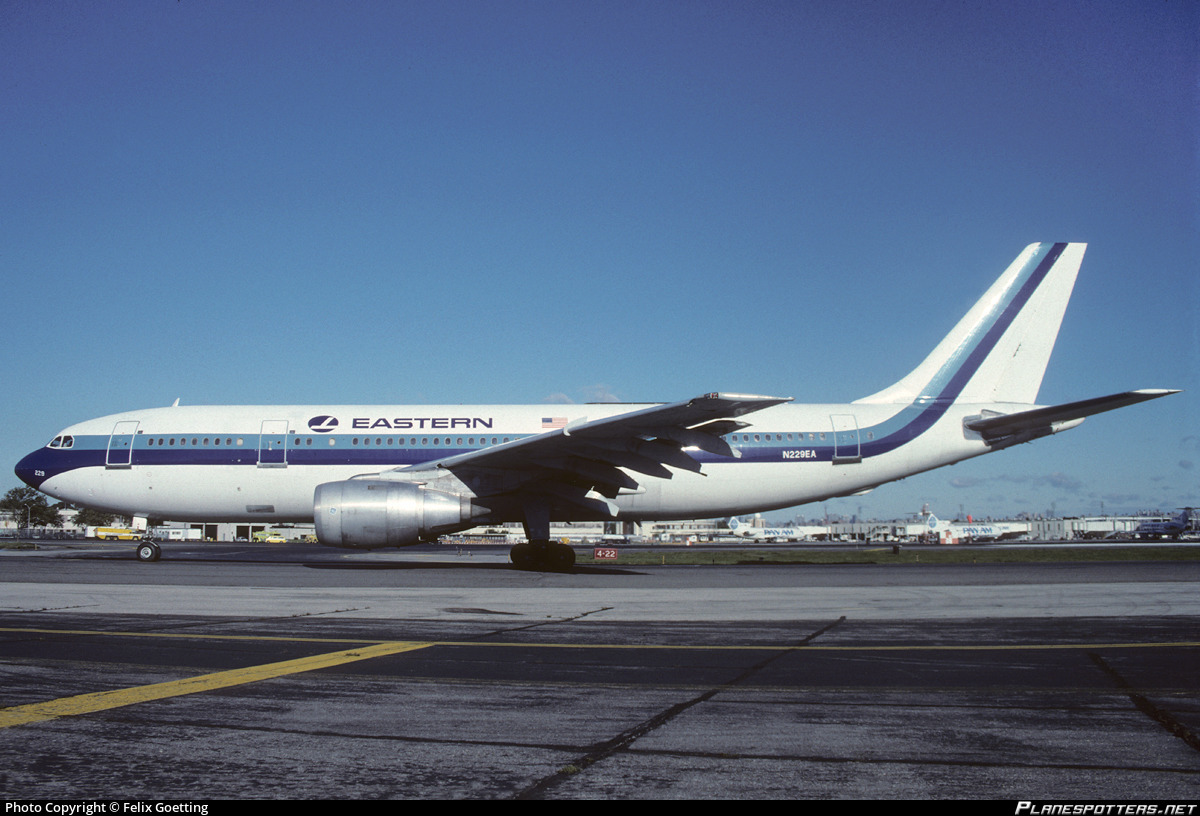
<point x="270" y="537"/>
<point x="115" y="534"/>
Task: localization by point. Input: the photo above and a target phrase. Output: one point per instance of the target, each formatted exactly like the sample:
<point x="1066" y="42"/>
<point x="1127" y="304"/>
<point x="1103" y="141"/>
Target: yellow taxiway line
<point x="116" y="698"/>
<point x="103" y="700"/>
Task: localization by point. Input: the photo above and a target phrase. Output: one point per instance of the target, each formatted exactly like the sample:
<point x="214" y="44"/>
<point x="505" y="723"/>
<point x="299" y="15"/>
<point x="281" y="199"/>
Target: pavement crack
<point x="508" y="630"/>
<point x="1144" y="705"/>
<point x="629" y="736"/>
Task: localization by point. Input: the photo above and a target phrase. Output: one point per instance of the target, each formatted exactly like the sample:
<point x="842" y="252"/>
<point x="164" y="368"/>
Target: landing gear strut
<point x="538" y="552"/>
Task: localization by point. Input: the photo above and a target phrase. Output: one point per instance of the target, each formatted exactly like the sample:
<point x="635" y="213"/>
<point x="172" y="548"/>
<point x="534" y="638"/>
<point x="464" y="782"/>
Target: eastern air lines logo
<point x="322" y="424"/>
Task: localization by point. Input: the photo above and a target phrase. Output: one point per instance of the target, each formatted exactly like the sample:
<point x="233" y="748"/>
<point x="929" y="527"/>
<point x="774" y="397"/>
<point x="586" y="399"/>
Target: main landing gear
<point x="538" y="552"/>
<point x="542" y="556"/>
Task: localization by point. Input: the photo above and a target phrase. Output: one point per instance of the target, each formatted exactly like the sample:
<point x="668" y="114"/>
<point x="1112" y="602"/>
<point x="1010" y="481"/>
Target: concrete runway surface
<point x="244" y="671"/>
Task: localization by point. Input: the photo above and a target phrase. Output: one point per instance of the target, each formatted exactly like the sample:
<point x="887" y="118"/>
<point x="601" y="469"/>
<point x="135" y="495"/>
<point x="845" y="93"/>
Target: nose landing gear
<point x="148" y="551"/>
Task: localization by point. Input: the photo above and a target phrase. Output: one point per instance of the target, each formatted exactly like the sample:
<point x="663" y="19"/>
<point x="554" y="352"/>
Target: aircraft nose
<point x="29" y="472"/>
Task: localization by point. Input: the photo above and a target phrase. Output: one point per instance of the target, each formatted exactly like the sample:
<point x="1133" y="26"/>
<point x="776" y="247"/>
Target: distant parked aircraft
<point x="1172" y="528"/>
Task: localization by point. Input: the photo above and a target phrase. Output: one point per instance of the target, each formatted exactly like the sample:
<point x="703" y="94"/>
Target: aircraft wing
<point x="587" y="463"/>
<point x="1025" y="425"/>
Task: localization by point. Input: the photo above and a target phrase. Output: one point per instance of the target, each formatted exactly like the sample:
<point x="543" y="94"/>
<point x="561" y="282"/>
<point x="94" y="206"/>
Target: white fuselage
<point x="239" y="463"/>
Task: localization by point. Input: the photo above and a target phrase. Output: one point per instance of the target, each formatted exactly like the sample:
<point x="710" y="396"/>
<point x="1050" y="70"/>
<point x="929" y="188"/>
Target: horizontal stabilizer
<point x="1041" y="421"/>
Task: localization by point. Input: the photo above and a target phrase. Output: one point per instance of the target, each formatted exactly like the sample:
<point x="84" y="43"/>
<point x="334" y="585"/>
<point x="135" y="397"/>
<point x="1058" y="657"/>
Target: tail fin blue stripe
<point x="955" y="374"/>
<point x="953" y="377"/>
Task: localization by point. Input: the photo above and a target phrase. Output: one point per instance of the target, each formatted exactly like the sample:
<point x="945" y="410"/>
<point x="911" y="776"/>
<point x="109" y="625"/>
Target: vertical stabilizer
<point x="999" y="351"/>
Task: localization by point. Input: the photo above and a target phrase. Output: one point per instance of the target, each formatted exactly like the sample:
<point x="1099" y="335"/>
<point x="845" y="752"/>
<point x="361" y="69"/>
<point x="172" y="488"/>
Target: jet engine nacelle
<point x="366" y="514"/>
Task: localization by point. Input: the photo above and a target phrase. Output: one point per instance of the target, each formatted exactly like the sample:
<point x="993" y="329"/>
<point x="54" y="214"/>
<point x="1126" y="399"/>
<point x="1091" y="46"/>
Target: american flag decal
<point x="554" y="422"/>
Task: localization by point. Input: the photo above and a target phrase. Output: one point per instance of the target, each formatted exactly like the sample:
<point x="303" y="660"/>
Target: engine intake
<point x="365" y="514"/>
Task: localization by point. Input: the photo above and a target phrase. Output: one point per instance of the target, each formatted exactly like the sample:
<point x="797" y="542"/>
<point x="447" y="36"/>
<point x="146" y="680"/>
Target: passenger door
<point x="120" y="444"/>
<point x="272" y="443"/>
<point x="846" y="448"/>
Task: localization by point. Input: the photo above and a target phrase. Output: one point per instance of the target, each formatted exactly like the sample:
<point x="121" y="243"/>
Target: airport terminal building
<point x="924" y="528"/>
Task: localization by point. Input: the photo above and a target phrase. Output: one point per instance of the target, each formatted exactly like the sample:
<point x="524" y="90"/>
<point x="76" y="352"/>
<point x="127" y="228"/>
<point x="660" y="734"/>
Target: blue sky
<point x="523" y="201"/>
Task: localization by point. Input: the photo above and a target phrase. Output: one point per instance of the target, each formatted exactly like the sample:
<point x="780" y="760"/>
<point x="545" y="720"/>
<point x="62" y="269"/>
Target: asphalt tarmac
<point x="245" y="671"/>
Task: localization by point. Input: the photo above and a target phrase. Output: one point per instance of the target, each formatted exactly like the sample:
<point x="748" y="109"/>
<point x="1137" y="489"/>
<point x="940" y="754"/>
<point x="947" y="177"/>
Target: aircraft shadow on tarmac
<point x="413" y="565"/>
<point x="316" y="562"/>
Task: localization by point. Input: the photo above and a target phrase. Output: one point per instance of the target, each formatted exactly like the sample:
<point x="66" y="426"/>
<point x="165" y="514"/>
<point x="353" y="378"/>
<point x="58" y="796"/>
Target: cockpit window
<point x="62" y="442"/>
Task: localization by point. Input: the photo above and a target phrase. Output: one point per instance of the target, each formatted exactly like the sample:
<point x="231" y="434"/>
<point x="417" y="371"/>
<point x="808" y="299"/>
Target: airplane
<point x="941" y="529"/>
<point x="1174" y="528"/>
<point x="390" y="476"/>
<point x="792" y="533"/>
